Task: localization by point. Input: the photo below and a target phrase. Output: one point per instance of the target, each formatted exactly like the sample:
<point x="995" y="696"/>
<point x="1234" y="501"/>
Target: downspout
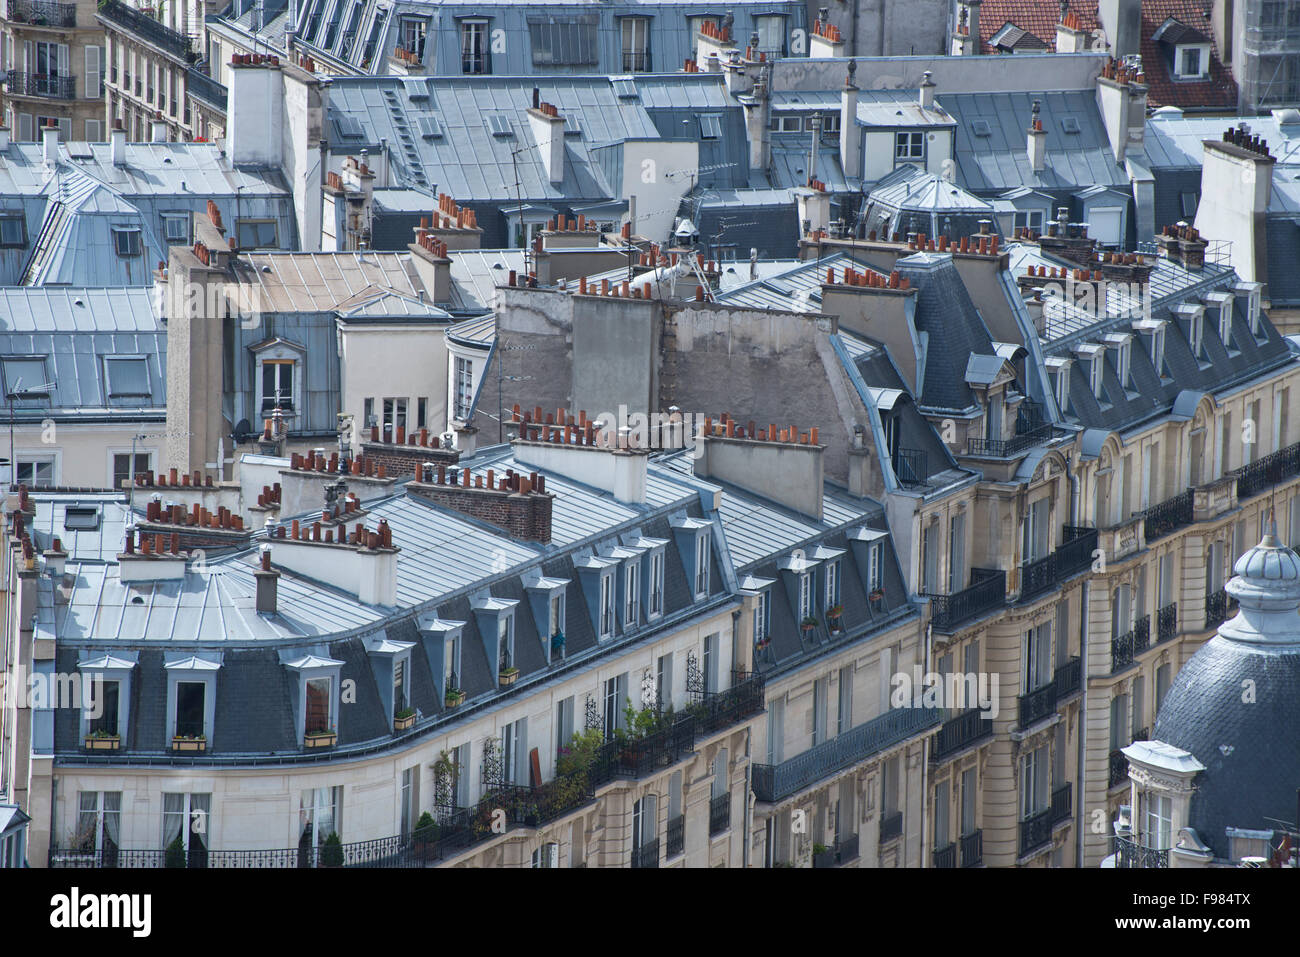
<point x="747" y="836"/>
<point x="925" y="749"/>
<point x="1083" y="721"/>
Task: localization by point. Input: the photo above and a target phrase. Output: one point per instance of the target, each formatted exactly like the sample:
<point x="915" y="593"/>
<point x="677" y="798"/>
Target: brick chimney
<point x="432" y="264"/>
<point x="825" y="41"/>
<point x="157" y="558"/>
<point x="582" y="449"/>
<point x="781" y="464"/>
<point x="514" y="502"/>
<point x="1070" y="35"/>
<point x="268" y="580"/>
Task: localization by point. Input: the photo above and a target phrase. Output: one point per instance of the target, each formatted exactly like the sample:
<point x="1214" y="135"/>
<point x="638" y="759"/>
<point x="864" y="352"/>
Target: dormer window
<point x="106" y="705"/>
<point x="451" y="663"/>
<point x="316" y="696"/>
<point x="1191" y="62"/>
<point x="832" y="597"/>
<point x="191" y="698"/>
<point x="656" y="583"/>
<point x="1122" y="365"/>
<point x="763" y="615"/>
<point x="1196" y="336"/>
<point x="1095" y="367"/>
<point x="555" y="614"/>
<point x="391" y="662"/>
<point x="631" y="594"/>
<point x="1158" y="351"/>
<point x="1252" y="310"/>
<point x="607" y="606"/>
<point x="126" y="241"/>
<point x="319" y="713"/>
<point x="505" y="642"/>
<point x="702" y="565"/>
<point x="805" y="595"/>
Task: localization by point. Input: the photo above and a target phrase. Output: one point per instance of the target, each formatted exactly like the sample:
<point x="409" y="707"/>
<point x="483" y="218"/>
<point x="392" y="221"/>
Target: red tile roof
<point x="1039" y="17"/>
<point x="1218" y="92"/>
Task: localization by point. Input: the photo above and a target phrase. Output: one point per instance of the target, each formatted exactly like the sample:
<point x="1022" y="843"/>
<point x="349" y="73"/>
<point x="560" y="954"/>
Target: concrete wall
<point x="890" y="27"/>
<point x="991" y="74"/>
<point x="787" y="473"/>
<point x="658" y="173"/>
<point x="399" y="360"/>
<point x="1235" y="189"/>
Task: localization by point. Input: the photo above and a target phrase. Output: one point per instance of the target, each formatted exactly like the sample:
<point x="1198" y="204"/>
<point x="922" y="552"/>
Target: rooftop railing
<point x="43" y="13"/>
<point x="151" y="31"/>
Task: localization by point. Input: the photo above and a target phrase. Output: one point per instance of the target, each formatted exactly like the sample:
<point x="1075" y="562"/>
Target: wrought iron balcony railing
<point x="43" y="13"/>
<point x="911" y="467"/>
<point x="719" y="814"/>
<point x="676" y="835"/>
<point x="1129" y="645"/>
<point x="714" y="711"/>
<point x="1129" y="853"/>
<point x="959" y="733"/>
<point x="972" y="848"/>
<point x="1062" y="803"/>
<point x="41" y="84"/>
<point x="775" y="782"/>
<point x="946" y="856"/>
<point x="1036" y="831"/>
<point x="1268" y="471"/>
<point x="647" y="855"/>
<point x="148" y="30"/>
<point x="1069" y="678"/>
<point x="1118" y="769"/>
<point x="642" y="756"/>
<point x="1169" y="516"/>
<point x="987" y="591"/>
<point x="1036" y="705"/>
<point x="203" y="87"/>
<point x="1217" y="608"/>
<point x="1072" y="556"/>
<point x="1167" y="622"/>
<point x="846" y="851"/>
<point x="891" y="826"/>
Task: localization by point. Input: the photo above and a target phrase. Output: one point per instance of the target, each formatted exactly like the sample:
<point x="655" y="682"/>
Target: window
<point x="771" y="34"/>
<point x="451" y="663"/>
<point x="474" y="54"/>
<point x="421" y="412"/>
<point x="277" y="385"/>
<point x="563" y="726"/>
<point x="25" y="377"/>
<point x="394" y="418"/>
<point x="190" y="699"/>
<point x="1030" y="219"/>
<point x="319" y="816"/>
<point x="257" y="234"/>
<point x="1034" y="770"/>
<point x="631" y="593"/>
<point x="930" y="559"/>
<point x="889" y="787"/>
<point x="99" y="817"/>
<point x="1037" y="531"/>
<point x="831" y="124"/>
<point x="968" y="796"/>
<point x="548" y="855"/>
<point x="1195" y="339"/>
<point x="1122" y="365"/>
<point x="320" y="705"/>
<point x="13" y="231"/>
<point x="1189" y="201"/>
<point x="664" y="681"/>
<point x="710" y="126"/>
<point x="875" y="568"/>
<point x="110" y="696"/>
<point x="606" y="606"/>
<point x="564" y="40"/>
<point x="701" y="566"/>
<point x="514" y="750"/>
<point x="1162" y="684"/>
<point x="844" y="714"/>
<point x="832" y="584"/>
<point x="505" y="642"/>
<point x="786" y="124"/>
<point x="36" y="472"/>
<point x="909" y="146"/>
<point x="128" y="376"/>
<point x="1225" y="325"/>
<point x="805" y="596"/>
<point x="1063" y="388"/>
<point x="762" y="615"/>
<point x="555" y="618"/>
<point x="399" y="686"/>
<point x="1095" y="367"/>
<point x="615" y="696"/>
<point x="1038" y="657"/>
<point x="176" y="228"/>
<point x="656" y="583"/>
<point x="941" y="811"/>
<point x="186" y="818"/>
<point x="85" y="518"/>
<point x="409" y="801"/>
<point x="126" y="242"/>
<point x="636" y="44"/>
<point x="1189" y="61"/>
<point x="1157" y="828"/>
<point x="711" y="656"/>
<point x="464" y="388"/>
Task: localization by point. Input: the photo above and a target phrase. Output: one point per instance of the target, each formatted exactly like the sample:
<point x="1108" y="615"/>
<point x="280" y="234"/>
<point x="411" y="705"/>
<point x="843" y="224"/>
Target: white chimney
<point x="158" y="131"/>
<point x="1037" y="145"/>
<point x="548" y="129"/>
<point x="927" y="93"/>
<point x="50" y="138"/>
<point x="4" y="139"/>
<point x="117" y="144"/>
<point x="850" y="137"/>
<point x="255" y="126"/>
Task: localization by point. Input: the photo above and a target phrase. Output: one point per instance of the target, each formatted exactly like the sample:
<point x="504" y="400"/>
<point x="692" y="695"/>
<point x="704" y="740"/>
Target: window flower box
<point x="404" y="720"/>
<point x="102" y="742"/>
<point x="184" y="743"/>
<point x="877" y="595"/>
<point x="808" y="624"/>
<point x="454" y="698"/>
<point x="320" y="739"/>
<point x="508" y="677"/>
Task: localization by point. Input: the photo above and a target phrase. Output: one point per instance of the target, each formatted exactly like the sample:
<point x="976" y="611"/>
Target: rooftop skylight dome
<point x="1266" y="584"/>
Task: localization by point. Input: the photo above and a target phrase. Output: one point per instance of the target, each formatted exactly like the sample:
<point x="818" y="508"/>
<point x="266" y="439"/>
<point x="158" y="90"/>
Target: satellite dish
<point x="243" y="431"/>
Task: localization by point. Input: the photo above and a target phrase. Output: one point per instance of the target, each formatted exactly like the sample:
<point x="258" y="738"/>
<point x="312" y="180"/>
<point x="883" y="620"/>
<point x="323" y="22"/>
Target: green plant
<point x="580" y="753"/>
<point x="425" y="829"/>
<point x="835" y="611"/>
<point x="820" y="849"/>
<point x="557" y="641"/>
<point x="175" y="853"/>
<point x="331" y="852"/>
<point x="506" y="672"/>
<point x="809" y="622"/>
<point x="404" y="713"/>
<point x="100" y="733"/>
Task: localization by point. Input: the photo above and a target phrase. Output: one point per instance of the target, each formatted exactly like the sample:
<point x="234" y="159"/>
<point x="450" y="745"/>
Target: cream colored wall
<point x="83" y="454"/>
<point x="391" y="361"/>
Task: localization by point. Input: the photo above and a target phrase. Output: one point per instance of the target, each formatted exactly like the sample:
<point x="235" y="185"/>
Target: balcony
<point x="39" y="84"/>
<point x="775" y="782"/>
<point x="147" y="30"/>
<point x="972" y="848"/>
<point x="1131" y="854"/>
<point x="43" y="13"/>
<point x="1169" y="516"/>
<point x="911" y="467"/>
<point x="1125" y="648"/>
<point x="1036" y="705"/>
<point x="1036" y="832"/>
<point x="205" y="89"/>
<point x="1031" y="430"/>
<point x="641" y="756"/>
<point x="1069" y="678"/>
<point x="1268" y="471"/>
<point x="744" y="699"/>
<point x="960" y="733"/>
<point x="987" y="591"/>
<point x="845" y="851"/>
<point x="647" y="855"/>
<point x="1118" y="769"/>
<point x="946" y="856"/>
<point x="1072" y="556"/>
<point x="719" y="814"/>
<point x="891" y="826"/>
<point x="1167" y="622"/>
<point x="676" y="835"/>
<point x="1217" y="608"/>
<point x="1062" y="803"/>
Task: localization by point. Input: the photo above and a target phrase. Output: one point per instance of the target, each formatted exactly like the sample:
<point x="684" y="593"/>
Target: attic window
<point x="1189" y="202"/>
<point x="625" y="89"/>
<point x="81" y="518"/>
<point x="25" y="376"/>
<point x="981" y="128"/>
<point x="12" y="232"/>
<point x="499" y="124"/>
<point x="127" y="376"/>
<point x="430" y="128"/>
<point x="572" y="125"/>
<point x="710" y="126"/>
<point x="347" y="127"/>
<point x="1070" y="124"/>
<point x="126" y="242"/>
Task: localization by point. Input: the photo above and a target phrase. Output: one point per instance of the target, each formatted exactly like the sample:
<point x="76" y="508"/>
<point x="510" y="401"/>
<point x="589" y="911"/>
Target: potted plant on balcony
<point x="508" y="676"/>
<point x="403" y="720"/>
<point x="331" y="852"/>
<point x="808" y="624"/>
<point x="320" y="738"/>
<point x="175" y="856"/>
<point x="189" y="742"/>
<point x="833" y="616"/>
<point x="557" y="643"/>
<point x="762" y="643"/>
<point x="425" y="830"/>
<point x="877" y="596"/>
<point x="454" y="698"/>
<point x="822" y="856"/>
<point x="102" y="741"/>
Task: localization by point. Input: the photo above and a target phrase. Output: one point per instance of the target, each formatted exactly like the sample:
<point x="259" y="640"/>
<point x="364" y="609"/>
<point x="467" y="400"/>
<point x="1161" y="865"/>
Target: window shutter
<point x="24" y="127"/>
<point x="65" y="129"/>
<point x="94" y="131"/>
<point x="92" y="73"/>
<point x="64" y="59"/>
<point x="29" y="61"/>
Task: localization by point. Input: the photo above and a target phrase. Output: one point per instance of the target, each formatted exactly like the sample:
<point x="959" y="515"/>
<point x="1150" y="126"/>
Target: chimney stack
<point x="158" y="130"/>
<point x="1037" y="141"/>
<point x="927" y="92"/>
<point x="267" y="584"/>
<point x="117" y="143"/>
<point x="50" y="139"/>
